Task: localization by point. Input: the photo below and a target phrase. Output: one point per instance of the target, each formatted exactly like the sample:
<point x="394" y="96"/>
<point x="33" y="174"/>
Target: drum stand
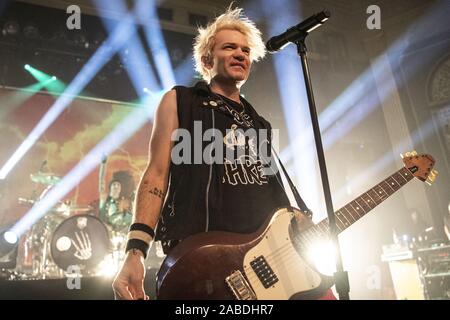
<point x="118" y="242"/>
<point x="43" y="266"/>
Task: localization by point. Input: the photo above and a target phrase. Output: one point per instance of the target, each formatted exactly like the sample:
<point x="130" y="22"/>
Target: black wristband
<point x="137" y="244"/>
<point x="143" y="227"/>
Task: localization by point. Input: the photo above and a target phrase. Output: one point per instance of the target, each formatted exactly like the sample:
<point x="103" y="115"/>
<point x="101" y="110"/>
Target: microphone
<point x="297" y="32"/>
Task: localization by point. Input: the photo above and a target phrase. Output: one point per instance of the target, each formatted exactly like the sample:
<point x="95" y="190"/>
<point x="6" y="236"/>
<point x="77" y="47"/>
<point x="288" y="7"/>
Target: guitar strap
<point x="302" y="205"/>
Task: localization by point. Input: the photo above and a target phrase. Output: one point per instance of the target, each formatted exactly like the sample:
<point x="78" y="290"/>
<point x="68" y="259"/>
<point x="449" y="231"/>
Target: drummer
<point x="115" y="207"/>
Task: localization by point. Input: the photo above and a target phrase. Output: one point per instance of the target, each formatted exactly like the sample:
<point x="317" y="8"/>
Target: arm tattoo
<point x="157" y="192"/>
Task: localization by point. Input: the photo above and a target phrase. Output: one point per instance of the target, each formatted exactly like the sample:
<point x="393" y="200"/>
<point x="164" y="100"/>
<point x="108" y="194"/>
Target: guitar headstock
<point x="420" y="166"/>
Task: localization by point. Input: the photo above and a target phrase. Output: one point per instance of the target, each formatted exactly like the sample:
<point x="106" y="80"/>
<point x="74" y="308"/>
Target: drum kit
<point x="69" y="239"/>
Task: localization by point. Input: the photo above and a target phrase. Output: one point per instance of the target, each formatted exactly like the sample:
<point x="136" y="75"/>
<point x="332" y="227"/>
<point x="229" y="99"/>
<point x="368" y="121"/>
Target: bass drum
<point x="80" y="243"/>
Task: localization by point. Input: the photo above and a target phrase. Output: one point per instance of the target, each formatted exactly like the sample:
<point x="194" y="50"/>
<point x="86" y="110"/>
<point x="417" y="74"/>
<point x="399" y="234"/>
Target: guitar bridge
<point x="240" y="287"/>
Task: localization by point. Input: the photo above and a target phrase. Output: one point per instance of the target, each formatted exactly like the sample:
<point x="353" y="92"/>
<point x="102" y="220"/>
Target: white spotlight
<point x="323" y="255"/>
<point x="10" y="237"/>
<point x="108" y="267"/>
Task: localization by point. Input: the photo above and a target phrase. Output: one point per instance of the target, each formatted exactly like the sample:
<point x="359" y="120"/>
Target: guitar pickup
<point x="264" y="272"/>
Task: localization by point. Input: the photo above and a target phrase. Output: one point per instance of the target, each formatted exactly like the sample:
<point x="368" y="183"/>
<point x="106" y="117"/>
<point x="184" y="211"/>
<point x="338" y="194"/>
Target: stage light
<point x="323" y="255"/>
<point x="8" y="241"/>
<point x="120" y="35"/>
<point x="359" y="99"/>
<point x="145" y="10"/>
<point x="379" y="166"/>
<point x="49" y="82"/>
<point x="108" y="267"/>
<point x="147" y="15"/>
<point x="11" y="27"/>
<point x="123" y="131"/>
<point x="133" y="55"/>
<point x="184" y="73"/>
<point x="10" y="237"/>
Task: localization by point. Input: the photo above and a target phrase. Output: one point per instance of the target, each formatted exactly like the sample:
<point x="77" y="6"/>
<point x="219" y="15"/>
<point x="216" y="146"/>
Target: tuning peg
<point x="431" y="178"/>
<point x="433" y="175"/>
<point x="411" y="154"/>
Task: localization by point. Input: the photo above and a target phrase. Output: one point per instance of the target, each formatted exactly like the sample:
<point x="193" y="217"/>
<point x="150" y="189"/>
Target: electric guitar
<point x="271" y="263"/>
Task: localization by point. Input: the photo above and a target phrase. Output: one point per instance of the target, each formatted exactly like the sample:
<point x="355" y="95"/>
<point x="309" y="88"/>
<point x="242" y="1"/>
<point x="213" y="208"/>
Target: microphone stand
<point x="340" y="276"/>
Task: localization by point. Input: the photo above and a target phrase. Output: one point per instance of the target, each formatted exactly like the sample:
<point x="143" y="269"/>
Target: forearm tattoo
<point x="157" y="192"/>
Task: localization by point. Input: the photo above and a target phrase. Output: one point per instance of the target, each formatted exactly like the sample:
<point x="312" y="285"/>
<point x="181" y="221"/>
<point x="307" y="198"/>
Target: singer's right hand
<point x="129" y="282"/>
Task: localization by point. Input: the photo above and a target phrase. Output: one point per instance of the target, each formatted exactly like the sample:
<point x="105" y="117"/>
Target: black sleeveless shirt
<point x="248" y="195"/>
<point x="226" y="196"/>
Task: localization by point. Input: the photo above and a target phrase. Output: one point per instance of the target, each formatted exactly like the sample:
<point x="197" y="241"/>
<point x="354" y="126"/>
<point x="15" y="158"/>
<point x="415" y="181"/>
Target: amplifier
<point x="419" y="273"/>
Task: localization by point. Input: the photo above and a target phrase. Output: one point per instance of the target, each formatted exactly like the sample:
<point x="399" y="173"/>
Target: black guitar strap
<point x="302" y="205"/>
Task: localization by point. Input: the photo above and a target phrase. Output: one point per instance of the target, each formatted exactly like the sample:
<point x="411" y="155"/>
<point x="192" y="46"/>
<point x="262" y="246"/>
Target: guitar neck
<point x="358" y="208"/>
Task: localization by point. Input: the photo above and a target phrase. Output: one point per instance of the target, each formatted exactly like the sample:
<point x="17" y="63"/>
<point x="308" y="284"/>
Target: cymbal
<point x="72" y="208"/>
<point x="26" y="202"/>
<point x="80" y="209"/>
<point x="45" y="178"/>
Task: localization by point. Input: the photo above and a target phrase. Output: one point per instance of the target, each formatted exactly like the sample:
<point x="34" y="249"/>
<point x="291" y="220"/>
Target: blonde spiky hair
<point x="232" y="19"/>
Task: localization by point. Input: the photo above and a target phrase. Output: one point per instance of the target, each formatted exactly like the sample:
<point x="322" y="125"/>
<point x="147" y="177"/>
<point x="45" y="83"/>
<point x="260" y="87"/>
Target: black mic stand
<point x="340" y="276"/>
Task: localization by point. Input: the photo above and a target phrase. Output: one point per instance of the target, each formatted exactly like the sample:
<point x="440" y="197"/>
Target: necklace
<point x="224" y="100"/>
<point x="241" y="117"/>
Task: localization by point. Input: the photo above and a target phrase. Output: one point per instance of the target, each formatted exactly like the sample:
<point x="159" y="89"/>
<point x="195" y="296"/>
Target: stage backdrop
<point x="83" y="124"/>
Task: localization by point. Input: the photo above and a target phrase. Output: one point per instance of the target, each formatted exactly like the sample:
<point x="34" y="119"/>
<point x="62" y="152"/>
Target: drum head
<point x="81" y="241"/>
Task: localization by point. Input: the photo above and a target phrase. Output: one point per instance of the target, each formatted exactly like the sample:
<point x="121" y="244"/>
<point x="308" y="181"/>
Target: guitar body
<point x="262" y="265"/>
<point x="265" y="265"/>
